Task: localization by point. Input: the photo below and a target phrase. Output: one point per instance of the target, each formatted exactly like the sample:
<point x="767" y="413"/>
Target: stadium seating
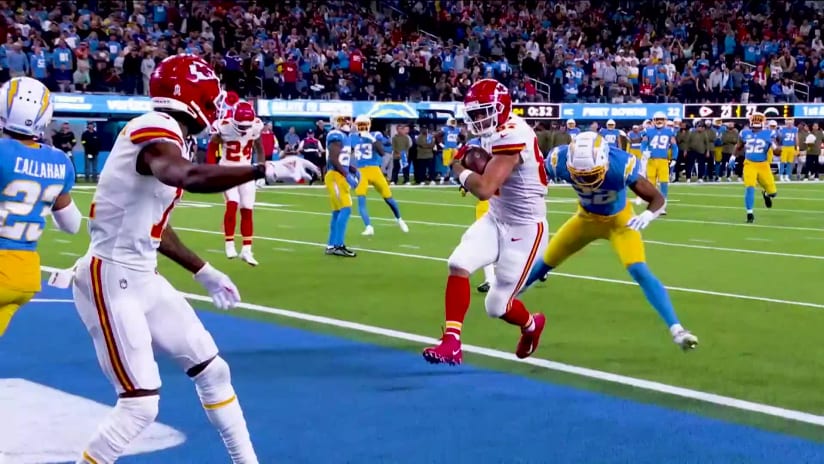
<point x="570" y="52"/>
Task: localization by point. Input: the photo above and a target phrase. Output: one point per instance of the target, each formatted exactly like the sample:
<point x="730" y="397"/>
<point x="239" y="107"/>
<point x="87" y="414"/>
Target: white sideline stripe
<point x="568" y="213"/>
<point x="544" y="363"/>
<point x="563" y="274"/>
<point x="569" y="200"/>
<point x="265" y="207"/>
<point x="724" y="195"/>
<point x="51" y="300"/>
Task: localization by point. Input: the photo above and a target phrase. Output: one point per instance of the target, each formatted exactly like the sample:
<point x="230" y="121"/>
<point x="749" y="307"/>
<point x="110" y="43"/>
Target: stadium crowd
<point x="606" y="51"/>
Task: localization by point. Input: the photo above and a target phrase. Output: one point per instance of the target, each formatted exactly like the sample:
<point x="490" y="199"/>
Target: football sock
<point x="364" y="214"/>
<point x="120" y="428"/>
<point x="717" y="171"/>
<point x="393" y="205"/>
<point x="517" y="314"/>
<point x="654" y="291"/>
<point x="489" y="273"/>
<point x="749" y="198"/>
<point x="456" y="304"/>
<point x="664" y="189"/>
<point x="538" y="270"/>
<point x="333" y="224"/>
<point x="782" y="168"/>
<point x="229" y="220"/>
<point x="247" y="228"/>
<point x="342" y="222"/>
<point x="214" y="387"/>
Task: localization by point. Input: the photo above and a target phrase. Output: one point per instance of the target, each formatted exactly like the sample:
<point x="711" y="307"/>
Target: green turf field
<point x="752" y="293"/>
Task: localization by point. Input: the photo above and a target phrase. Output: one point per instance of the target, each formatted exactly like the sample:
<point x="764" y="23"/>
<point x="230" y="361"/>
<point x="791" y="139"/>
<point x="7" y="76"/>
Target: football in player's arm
<point x="483" y="186"/>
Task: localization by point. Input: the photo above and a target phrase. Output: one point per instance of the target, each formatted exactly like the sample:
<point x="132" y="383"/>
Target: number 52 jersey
<point x="130" y="210"/>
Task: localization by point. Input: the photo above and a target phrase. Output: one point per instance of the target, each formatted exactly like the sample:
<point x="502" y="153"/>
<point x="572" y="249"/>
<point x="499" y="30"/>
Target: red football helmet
<point x="187" y="84"/>
<point x="487" y="105"/>
<point x="243" y="116"/>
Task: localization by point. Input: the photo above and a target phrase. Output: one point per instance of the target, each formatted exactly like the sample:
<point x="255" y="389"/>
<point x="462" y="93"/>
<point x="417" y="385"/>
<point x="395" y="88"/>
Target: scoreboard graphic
<point x="738" y="111"/>
<point x="537" y="110"/>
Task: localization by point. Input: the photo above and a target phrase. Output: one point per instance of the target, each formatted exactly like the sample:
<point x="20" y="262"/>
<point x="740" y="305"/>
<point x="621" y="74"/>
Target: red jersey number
<point x="540" y="159"/>
<point x="236" y="152"/>
<point x="160" y="226"/>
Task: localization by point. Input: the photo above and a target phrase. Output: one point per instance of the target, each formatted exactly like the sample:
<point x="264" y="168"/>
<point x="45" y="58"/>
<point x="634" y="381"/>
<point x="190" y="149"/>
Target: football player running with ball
<point x="126" y="306"/>
<point x="514" y="231"/>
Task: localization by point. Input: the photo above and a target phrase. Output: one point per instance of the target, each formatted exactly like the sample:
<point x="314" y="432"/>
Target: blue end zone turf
<point x="312" y="398"/>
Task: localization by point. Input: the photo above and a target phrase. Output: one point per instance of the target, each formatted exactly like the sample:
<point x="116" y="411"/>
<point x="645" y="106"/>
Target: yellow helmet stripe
<point x="14" y="87"/>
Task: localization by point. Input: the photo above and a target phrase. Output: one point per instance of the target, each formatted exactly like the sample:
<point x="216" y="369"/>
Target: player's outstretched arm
<point x="484" y="186"/>
<point x="644" y="189"/>
<point x="66" y="215"/>
<point x="165" y="162"/>
<point x="174" y="249"/>
<point x="223" y="291"/>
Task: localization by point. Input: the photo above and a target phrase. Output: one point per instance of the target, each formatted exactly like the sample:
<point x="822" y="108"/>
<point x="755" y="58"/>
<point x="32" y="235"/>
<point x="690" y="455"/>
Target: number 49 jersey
<point x="237" y="148"/>
<point x="520" y="199"/>
<point x="130" y="210"/>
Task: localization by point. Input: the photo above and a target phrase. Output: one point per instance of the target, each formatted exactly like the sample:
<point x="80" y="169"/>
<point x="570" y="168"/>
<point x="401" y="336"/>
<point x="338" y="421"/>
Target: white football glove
<point x="641" y="221"/>
<point x="260" y="183"/>
<point x="223" y="291"/>
<point x="290" y="169"/>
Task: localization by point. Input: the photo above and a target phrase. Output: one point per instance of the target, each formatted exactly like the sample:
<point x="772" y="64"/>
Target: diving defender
<point x="600" y="175"/>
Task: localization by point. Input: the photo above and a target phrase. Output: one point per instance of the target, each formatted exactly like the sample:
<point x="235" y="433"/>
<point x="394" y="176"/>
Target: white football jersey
<point x="237" y="148"/>
<point x="520" y="199"/>
<point x="130" y="210"/>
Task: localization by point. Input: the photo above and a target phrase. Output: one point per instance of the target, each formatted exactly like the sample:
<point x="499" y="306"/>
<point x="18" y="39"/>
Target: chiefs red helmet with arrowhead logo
<point x="488" y="106"/>
<point x="187" y="84"/>
<point x="243" y="116"/>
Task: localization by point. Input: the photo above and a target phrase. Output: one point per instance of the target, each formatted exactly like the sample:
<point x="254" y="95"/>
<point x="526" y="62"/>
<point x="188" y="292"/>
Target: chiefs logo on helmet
<point x="187" y="84"/>
<point x="488" y="106"/>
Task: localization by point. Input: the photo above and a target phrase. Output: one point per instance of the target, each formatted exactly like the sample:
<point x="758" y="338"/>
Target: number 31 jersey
<point x="130" y="210"/>
<point x="237" y="148"/>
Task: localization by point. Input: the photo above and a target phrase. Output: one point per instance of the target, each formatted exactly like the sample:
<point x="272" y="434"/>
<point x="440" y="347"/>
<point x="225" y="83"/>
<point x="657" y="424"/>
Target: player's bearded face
<point x="481" y="119"/>
<point x="592" y="178"/>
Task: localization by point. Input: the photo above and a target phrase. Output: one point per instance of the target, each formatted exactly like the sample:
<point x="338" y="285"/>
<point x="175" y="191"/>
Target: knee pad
<point x="214" y="383"/>
<point x="496" y="302"/>
<point x="141" y="410"/>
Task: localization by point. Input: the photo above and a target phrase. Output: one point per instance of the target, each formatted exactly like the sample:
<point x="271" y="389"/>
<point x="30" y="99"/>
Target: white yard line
<point x="712" y="398"/>
<point x="650" y="242"/>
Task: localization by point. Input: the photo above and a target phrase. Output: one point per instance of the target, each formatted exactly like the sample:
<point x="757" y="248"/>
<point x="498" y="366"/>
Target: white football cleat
<point x="369" y="231"/>
<point x="402" y="225"/>
<point x="231" y="252"/>
<point x="685" y="340"/>
<point x="248" y="258"/>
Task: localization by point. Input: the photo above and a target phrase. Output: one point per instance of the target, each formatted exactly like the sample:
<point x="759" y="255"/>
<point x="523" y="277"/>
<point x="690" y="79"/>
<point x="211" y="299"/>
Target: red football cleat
<point x="447" y="352"/>
<point x="529" y="340"/>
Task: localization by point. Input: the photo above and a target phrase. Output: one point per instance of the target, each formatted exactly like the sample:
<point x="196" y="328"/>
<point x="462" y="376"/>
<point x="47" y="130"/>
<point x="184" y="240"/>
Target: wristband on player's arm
<point x="462" y="178"/>
<point x="260" y="170"/>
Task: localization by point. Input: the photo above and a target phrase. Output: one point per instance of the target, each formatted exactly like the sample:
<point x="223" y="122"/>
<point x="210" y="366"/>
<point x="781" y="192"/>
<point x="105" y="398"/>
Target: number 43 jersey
<point x="610" y="197"/>
<point x="130" y="210"/>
